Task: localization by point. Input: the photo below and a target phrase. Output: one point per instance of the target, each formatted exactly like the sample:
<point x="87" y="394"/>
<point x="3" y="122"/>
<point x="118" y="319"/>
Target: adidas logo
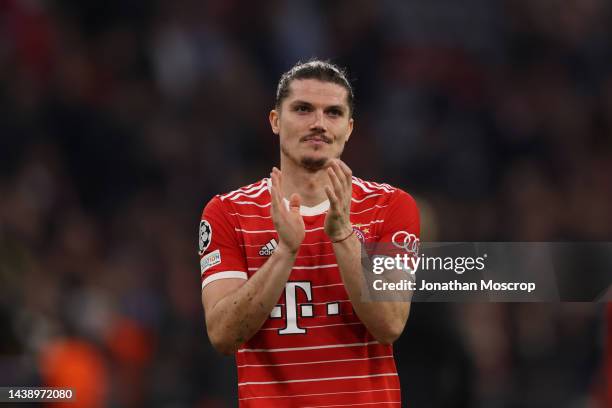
<point x="268" y="248"/>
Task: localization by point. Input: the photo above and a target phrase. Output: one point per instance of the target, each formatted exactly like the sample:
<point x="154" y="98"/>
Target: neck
<point x="308" y="184"/>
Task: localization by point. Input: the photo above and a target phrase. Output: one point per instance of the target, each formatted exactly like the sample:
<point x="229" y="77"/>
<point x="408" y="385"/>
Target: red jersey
<point x="312" y="350"/>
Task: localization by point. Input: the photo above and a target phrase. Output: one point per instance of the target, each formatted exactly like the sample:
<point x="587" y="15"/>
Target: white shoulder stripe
<point x="358" y="182"/>
<point x="250" y="187"/>
<point x="365" y="198"/>
<point x="247" y="189"/>
<point x="379" y="186"/>
<point x="327" y="346"/>
<point x="224" y="275"/>
<point x="252" y="203"/>
<point x="257" y="193"/>
<point x="387" y="188"/>
<point x="348" y="377"/>
<point x="371" y="187"/>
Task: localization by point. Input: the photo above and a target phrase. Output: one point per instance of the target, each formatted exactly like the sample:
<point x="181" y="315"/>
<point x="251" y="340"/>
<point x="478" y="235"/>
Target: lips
<point x="317" y="139"/>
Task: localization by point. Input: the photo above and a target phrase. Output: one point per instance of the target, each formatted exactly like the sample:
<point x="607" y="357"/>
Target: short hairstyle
<point x="323" y="71"/>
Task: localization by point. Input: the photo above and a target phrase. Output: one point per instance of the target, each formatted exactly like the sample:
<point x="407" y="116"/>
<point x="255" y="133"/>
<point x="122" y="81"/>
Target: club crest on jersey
<point x="360" y="235"/>
<point x="205" y="236"/>
<point x="269" y="248"/>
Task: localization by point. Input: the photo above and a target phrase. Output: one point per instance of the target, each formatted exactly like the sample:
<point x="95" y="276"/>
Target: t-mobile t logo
<point x="305" y="310"/>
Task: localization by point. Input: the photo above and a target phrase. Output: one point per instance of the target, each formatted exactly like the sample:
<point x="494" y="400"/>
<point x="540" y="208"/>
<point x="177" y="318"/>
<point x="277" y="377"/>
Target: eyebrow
<point x="300" y="102"/>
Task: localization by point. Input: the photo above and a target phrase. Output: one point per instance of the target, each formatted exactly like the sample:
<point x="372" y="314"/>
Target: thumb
<point x="294" y="203"/>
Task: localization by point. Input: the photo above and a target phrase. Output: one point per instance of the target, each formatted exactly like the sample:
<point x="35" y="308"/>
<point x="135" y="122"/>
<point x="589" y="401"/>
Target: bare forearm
<point x="238" y="316"/>
<point x="384" y="320"/>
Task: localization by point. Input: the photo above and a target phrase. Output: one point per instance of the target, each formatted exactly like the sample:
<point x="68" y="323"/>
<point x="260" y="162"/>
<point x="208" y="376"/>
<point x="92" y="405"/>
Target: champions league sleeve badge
<point x="205" y="236"/>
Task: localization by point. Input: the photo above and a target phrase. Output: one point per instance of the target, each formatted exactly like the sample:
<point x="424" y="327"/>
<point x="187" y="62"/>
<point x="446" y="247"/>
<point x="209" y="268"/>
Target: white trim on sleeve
<point x="224" y="275"/>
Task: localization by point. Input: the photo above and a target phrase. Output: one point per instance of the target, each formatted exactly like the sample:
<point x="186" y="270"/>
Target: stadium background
<point x="119" y="120"/>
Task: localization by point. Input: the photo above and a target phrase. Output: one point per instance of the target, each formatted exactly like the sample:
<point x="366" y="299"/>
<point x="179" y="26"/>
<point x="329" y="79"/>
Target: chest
<point x="259" y="239"/>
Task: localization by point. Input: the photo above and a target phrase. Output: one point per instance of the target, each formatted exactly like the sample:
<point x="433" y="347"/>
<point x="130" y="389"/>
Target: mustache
<point x="316" y="135"/>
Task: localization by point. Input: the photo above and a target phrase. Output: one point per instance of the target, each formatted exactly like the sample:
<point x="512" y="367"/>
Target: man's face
<point x="313" y="123"/>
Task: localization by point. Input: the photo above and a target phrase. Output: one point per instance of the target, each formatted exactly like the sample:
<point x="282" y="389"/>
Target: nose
<point x="318" y="122"/>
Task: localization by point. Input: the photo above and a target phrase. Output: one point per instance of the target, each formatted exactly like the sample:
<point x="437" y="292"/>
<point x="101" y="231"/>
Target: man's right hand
<point x="287" y="222"/>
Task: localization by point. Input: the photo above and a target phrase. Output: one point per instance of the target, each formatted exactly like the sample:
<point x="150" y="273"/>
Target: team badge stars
<point x="361" y="232"/>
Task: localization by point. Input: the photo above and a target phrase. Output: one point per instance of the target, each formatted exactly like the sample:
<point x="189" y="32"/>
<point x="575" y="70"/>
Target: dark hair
<point x="324" y="71"/>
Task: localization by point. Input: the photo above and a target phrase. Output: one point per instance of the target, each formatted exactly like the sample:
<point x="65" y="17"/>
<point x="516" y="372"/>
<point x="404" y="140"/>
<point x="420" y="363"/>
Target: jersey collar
<point x="310" y="211"/>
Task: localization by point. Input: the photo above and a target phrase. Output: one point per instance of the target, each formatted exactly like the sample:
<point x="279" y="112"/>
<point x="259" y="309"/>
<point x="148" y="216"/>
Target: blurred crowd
<point x="120" y="119"/>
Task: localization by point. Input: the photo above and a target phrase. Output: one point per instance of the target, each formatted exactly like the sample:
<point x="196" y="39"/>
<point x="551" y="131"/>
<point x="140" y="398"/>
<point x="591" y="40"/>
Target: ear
<point x="350" y="129"/>
<point x="274" y="118"/>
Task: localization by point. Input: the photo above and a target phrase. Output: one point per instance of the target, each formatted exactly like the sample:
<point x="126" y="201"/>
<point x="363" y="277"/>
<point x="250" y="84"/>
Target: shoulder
<point x="393" y="206"/>
<point x="254" y="193"/>
<point x="253" y="190"/>
<point x="381" y="193"/>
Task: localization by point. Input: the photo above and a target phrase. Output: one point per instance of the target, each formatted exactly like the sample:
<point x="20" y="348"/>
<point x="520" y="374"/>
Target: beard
<point x="313" y="165"/>
<point x="309" y="163"/>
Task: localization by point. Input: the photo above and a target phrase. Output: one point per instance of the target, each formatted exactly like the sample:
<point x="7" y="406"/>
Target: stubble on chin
<point x="309" y="163"/>
<point x="313" y="165"/>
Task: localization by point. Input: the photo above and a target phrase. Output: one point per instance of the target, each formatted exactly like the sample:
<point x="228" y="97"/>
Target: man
<point x="280" y="259"/>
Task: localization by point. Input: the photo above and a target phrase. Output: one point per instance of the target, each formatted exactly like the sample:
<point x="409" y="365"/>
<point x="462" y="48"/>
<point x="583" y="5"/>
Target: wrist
<point x="345" y="234"/>
<point x="284" y="250"/>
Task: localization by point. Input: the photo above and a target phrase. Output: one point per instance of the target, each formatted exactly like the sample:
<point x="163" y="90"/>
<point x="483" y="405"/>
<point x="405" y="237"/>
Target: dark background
<point x="120" y="119"/>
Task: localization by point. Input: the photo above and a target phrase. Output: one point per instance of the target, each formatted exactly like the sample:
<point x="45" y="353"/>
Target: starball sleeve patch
<point x="205" y="236"/>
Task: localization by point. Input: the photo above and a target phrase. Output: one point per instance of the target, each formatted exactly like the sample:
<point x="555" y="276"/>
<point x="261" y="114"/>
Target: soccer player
<point x="280" y="261"/>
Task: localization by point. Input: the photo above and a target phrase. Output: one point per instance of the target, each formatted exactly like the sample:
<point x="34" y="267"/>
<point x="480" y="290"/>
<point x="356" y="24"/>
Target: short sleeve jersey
<point x="312" y="350"/>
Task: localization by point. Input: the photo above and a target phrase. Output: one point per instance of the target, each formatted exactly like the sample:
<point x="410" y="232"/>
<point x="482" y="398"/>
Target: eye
<point x="334" y="112"/>
<point x="302" y="108"/>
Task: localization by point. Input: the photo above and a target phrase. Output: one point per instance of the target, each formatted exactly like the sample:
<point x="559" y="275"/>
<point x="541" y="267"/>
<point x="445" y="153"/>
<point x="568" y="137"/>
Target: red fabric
<point x="336" y="361"/>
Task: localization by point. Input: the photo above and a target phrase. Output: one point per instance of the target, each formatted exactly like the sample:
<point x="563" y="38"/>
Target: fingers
<point x="348" y="173"/>
<point x="294" y="203"/>
<point x="344" y="173"/>
<point x="335" y="166"/>
<point x="274" y="187"/>
<point x="340" y="190"/>
<point x="336" y="183"/>
<point x="340" y="176"/>
<point x="331" y="196"/>
<point x="276" y="199"/>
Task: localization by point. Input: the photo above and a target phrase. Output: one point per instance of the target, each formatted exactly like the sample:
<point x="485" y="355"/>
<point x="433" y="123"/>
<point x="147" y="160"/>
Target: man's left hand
<point x="339" y="192"/>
